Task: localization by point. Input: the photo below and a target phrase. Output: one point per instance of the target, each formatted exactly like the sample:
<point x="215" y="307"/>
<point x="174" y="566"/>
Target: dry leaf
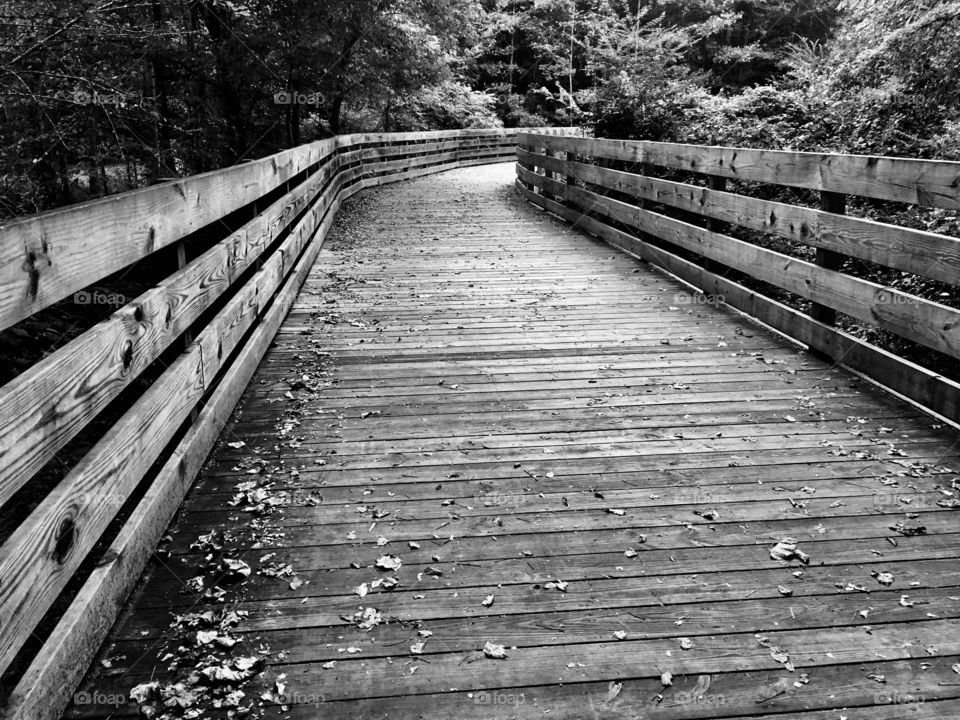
<point x="613" y="691"/>
<point x="492" y="650"/>
<point x="388" y="562"/>
<point x="884" y="578"/>
<point x="787" y="550"/>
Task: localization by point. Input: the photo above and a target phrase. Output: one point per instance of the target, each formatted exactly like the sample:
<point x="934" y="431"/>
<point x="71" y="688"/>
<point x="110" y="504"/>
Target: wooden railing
<point x="566" y="176"/>
<point x="200" y="333"/>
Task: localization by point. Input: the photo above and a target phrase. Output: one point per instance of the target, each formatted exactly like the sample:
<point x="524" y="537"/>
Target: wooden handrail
<point x="935" y="183"/>
<point x="615" y="205"/>
<point x="216" y="314"/>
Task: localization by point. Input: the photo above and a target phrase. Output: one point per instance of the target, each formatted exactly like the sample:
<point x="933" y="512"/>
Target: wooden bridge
<point x="542" y="440"/>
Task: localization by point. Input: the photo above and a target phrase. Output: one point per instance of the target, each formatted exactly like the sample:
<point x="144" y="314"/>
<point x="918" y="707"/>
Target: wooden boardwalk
<point x="570" y="456"/>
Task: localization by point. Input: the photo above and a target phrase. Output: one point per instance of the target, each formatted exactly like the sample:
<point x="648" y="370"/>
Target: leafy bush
<point x="447" y="106"/>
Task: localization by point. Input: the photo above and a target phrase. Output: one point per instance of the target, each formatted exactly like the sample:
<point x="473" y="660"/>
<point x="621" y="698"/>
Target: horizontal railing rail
<point x="567" y="176"/>
<point x="194" y="339"/>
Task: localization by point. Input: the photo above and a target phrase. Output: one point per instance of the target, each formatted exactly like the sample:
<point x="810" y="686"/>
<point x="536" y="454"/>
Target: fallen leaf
<point x="787" y="550"/>
<point x="234" y="567"/>
<point x="492" y="650"/>
<point x="884" y="578"/>
<point x="388" y="562"/>
<point x="613" y="690"/>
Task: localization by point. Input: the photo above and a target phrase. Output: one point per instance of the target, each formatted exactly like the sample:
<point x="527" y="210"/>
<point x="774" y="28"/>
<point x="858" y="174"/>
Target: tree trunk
<point x="229" y="95"/>
<point x="334" y="115"/>
<point x="164" y="146"/>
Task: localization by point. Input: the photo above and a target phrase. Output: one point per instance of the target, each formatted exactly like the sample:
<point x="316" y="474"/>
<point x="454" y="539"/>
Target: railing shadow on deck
<point x="191" y="343"/>
<point x="610" y="189"/>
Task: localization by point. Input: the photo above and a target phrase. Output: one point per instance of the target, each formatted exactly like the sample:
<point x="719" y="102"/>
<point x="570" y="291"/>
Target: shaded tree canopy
<point x="99" y="96"/>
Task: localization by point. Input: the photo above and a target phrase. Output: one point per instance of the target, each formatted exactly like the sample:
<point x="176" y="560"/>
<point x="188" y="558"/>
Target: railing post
<point x="559" y="176"/>
<point x="545" y="151"/>
<point x="714" y="182"/>
<point x="645" y="169"/>
<point x="188" y="333"/>
<point x="836" y="203"/>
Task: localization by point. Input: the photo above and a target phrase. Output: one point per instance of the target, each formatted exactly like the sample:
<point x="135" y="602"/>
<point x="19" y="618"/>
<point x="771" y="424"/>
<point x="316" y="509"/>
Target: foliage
<point x="448" y="106"/>
<point x="105" y="95"/>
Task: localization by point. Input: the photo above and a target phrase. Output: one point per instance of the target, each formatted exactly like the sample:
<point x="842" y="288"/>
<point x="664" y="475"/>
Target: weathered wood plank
<point x="46" y="686"/>
<point x="917" y="251"/>
<point x="46" y="406"/>
<point x="53" y="541"/>
<point x="915" y="382"/>
<point x="47" y="257"/>
<point x="525" y="420"/>
<point x="924" y="182"/>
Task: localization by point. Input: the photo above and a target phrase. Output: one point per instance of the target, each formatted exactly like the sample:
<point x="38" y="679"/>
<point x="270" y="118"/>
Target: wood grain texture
<point x="927" y="388"/>
<point x="923" y="321"/>
<point x="59" y="533"/>
<point x="45" y="689"/>
<point x="488" y="383"/>
<point x="52" y="542"/>
<point x="47" y="257"/>
<point x="46" y="406"/>
<point x="916" y="251"/>
<point x="925" y="182"/>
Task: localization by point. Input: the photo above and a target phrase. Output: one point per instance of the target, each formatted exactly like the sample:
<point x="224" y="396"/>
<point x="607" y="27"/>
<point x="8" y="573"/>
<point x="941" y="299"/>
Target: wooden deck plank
<point x="504" y="403"/>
